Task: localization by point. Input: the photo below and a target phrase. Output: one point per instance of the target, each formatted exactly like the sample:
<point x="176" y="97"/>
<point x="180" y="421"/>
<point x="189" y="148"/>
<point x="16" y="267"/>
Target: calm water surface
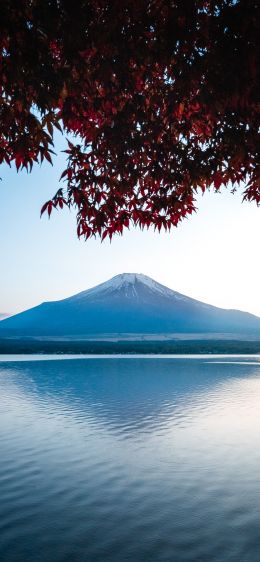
<point x="130" y="459"/>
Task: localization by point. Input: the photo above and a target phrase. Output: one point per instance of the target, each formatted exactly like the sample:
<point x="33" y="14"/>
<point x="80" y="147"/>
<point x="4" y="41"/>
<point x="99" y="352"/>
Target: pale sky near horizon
<point x="212" y="256"/>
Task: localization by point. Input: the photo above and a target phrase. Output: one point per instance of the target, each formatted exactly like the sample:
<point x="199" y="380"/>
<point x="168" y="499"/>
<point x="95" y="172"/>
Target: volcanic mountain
<point x="129" y="303"/>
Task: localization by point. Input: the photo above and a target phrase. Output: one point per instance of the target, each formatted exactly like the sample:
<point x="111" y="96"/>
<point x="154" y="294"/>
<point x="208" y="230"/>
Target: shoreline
<point x="177" y="347"/>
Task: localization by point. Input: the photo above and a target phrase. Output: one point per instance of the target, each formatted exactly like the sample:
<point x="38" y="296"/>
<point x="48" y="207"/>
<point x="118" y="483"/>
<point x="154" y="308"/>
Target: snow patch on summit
<point x="129" y="284"/>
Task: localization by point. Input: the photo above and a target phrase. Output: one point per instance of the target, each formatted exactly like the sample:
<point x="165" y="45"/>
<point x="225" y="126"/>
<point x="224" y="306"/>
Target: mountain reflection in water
<point x="130" y="460"/>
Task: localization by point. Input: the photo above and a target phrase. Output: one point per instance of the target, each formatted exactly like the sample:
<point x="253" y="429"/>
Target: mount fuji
<point x="129" y="303"/>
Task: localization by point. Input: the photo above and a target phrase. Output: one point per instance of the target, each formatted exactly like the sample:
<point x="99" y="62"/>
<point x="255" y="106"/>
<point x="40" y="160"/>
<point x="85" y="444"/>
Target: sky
<point x="212" y="256"/>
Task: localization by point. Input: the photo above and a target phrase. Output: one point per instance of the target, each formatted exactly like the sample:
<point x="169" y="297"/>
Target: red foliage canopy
<point x="161" y="95"/>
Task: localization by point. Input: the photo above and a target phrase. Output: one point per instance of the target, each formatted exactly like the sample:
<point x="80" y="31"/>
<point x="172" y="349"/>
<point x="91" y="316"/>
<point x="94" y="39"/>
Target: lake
<point x="137" y="459"/>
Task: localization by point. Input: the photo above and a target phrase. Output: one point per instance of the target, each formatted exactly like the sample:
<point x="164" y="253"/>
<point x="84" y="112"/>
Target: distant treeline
<point x="158" y="347"/>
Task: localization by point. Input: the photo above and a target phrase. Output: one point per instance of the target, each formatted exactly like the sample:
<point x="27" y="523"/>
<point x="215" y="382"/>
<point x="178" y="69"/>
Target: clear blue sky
<point x="212" y="256"/>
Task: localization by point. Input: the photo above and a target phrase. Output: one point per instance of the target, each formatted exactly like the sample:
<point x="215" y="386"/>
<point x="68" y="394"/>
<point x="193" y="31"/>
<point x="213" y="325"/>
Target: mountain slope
<point x="127" y="303"/>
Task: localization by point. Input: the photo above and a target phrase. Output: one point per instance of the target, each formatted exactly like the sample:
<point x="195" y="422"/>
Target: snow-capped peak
<point x="129" y="284"/>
